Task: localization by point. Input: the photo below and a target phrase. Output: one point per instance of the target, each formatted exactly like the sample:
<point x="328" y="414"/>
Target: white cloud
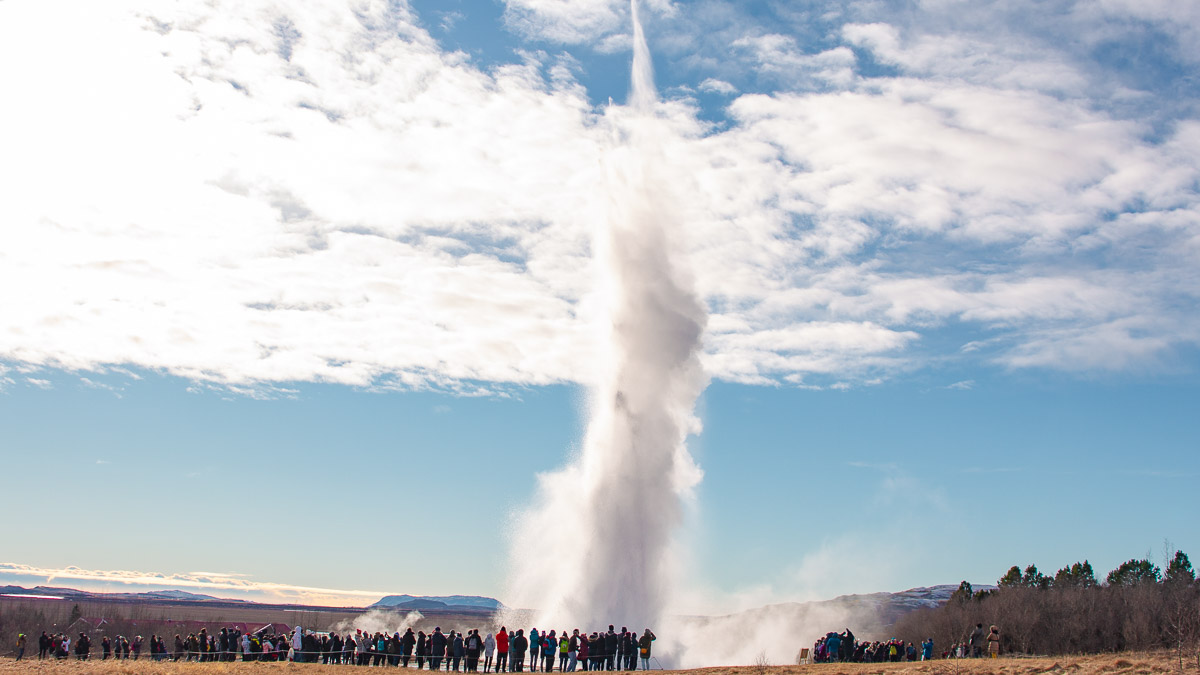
<point x="715" y="86"/>
<point x="252" y="194"/>
<point x="569" y="21"/>
<point x="780" y="55"/>
<point x="225" y="585"/>
<point x="578" y="21"/>
<point x="1007" y="63"/>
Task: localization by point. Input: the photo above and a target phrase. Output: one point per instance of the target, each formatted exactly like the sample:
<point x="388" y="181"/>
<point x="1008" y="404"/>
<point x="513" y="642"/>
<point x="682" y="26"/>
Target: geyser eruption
<point x="594" y="550"/>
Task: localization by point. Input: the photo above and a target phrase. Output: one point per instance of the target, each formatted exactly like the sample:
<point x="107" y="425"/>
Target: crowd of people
<point x="505" y="651"/>
<point x="842" y="647"/>
<point x="835" y="647"/>
<point x="62" y="646"/>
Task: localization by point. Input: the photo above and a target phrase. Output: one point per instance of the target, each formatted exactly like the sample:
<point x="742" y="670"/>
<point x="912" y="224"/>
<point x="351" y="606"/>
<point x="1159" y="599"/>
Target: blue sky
<point x="332" y="264"/>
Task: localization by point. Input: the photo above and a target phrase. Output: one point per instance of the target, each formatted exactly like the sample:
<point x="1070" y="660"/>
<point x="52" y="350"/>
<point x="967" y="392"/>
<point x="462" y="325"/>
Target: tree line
<point x="1137" y="606"/>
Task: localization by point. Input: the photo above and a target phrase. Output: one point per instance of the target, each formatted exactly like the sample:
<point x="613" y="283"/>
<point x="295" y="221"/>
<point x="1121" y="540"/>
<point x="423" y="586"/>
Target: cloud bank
<point x="218" y="584"/>
<point x="252" y="194"/>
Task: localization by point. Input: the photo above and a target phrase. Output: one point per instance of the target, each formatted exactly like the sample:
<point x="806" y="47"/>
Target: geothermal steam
<point x="594" y="549"/>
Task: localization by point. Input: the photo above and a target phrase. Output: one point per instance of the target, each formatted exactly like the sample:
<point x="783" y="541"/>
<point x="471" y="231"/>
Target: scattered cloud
<point x="449" y="20"/>
<point x="874" y="466"/>
<point x="780" y="55"/>
<point x="93" y="384"/>
<point x="715" y="86"/>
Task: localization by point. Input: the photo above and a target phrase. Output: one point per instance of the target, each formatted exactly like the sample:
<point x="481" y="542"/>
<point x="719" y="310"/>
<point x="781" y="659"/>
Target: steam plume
<point x="594" y="549"/>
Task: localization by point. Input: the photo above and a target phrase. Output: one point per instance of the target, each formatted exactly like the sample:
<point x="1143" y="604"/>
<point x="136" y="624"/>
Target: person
<point x="406" y="646"/>
<point x="363" y="649"/>
<point x="83" y="647"/>
<point x="437" y="648"/>
<point x="595" y="651"/>
<point x="394" y="649"/>
<point x="993" y="640"/>
<point x="20" y="645"/>
<point x="422" y="649"/>
<point x="628" y="649"/>
<point x="489" y="650"/>
<point x="298" y="644"/>
<point x="610" y="648"/>
<point x="502" y="650"/>
<point x="43" y="646"/>
<point x="549" y="646"/>
<point x="833" y="646"/>
<point x="474" y="645"/>
<point x="644" y="647"/>
<point x="535" y="649"/>
<point x="976" y="641"/>
<point x="927" y="650"/>
<point x="564" y="645"/>
<point x="573" y="651"/>
<point x="517" y="648"/>
<point x="457" y="649"/>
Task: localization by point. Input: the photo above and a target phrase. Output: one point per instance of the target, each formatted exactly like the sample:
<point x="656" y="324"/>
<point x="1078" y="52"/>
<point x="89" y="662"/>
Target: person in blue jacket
<point x="535" y="651"/>
<point x="833" y="645"/>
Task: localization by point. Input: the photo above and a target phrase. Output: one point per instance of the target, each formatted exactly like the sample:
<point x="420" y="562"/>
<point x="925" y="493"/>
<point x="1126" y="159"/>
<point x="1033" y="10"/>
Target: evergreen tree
<point x="1034" y="579"/>
<point x="1180" y="569"/>
<point x="1011" y="578"/>
<point x="963" y="594"/>
<point x="1133" y="572"/>
<point x="75" y="614"/>
<point x="1079" y="575"/>
<point x="1086" y="575"/>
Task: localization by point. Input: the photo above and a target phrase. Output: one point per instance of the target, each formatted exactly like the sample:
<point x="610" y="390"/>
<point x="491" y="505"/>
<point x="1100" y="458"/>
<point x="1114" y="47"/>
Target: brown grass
<point x="1108" y="664"/>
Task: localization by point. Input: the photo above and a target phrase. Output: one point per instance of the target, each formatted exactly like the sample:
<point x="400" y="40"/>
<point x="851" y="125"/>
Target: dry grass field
<point x="1107" y="664"/>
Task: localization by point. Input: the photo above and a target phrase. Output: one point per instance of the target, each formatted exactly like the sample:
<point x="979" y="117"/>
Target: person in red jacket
<point x="502" y="650"/>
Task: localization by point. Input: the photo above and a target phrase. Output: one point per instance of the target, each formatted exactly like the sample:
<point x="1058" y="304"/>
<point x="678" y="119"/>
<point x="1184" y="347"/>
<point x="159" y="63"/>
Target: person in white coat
<point x="489" y="648"/>
<point x="298" y="644"/>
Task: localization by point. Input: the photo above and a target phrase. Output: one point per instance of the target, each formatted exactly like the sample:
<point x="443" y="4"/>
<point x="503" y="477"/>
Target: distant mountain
<point x="76" y="594"/>
<point x="55" y="590"/>
<point x="441" y="602"/>
<point x="172" y="595"/>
